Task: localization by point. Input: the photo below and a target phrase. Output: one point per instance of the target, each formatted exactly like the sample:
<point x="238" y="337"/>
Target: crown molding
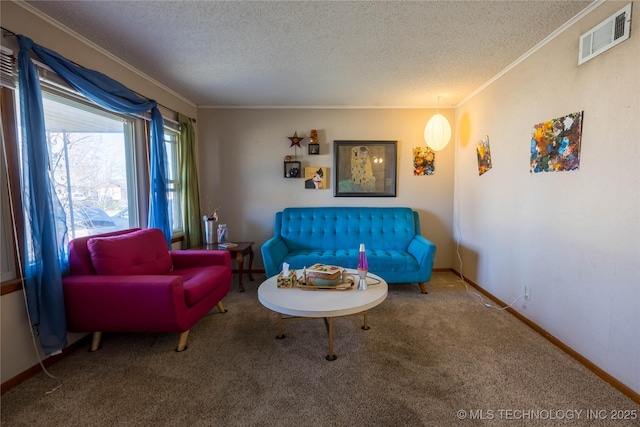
<point x="323" y="107"/>
<point x="534" y="49"/>
<point x="99" y="49"/>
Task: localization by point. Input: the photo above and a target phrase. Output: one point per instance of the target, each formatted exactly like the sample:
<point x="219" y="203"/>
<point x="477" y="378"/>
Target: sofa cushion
<point x="79" y="256"/>
<point x="140" y="252"/>
<point x="379" y="260"/>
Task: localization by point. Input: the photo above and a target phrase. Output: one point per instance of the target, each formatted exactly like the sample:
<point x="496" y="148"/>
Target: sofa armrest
<point x="142" y="302"/>
<point x="424" y="251"/>
<point x="273" y="252"/>
<point x="192" y="258"/>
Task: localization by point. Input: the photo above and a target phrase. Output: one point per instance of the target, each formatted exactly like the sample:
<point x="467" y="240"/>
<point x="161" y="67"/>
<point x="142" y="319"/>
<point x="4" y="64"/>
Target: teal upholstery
<point x="332" y="235"/>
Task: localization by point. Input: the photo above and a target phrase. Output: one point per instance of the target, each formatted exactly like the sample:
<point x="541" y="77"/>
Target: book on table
<point x="227" y="245"/>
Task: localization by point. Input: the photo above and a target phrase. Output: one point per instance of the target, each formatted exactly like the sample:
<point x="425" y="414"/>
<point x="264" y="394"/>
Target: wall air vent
<point x="613" y="30"/>
<point x="7" y="66"/>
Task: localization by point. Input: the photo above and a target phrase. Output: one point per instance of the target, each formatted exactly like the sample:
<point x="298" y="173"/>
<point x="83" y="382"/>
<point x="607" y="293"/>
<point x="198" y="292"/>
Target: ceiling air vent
<point x="613" y="30"/>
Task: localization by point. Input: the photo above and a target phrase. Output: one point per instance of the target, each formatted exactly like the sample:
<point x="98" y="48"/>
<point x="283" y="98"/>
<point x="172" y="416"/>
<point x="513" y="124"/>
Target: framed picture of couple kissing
<point x="365" y="168"/>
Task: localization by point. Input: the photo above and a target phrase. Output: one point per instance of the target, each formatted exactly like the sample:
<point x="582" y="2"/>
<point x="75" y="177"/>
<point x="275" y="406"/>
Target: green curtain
<point x="190" y="198"/>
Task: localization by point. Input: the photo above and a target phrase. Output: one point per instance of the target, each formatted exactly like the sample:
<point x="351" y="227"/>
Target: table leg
<point x="240" y="259"/>
<point x="250" y="263"/>
<point x="366" y="321"/>
<point x="331" y="355"/>
<point x="280" y="334"/>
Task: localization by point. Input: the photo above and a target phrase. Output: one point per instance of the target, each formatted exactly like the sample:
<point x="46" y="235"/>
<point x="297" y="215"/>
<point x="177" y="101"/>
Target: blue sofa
<point x="332" y="235"/>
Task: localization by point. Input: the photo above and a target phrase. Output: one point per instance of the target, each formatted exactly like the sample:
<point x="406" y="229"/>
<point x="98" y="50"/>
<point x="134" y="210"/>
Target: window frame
<point x="10" y="142"/>
<point x="173" y="182"/>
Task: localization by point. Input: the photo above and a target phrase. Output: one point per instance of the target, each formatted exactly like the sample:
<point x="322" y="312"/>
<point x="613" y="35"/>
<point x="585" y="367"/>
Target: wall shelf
<point x="292" y="169"/>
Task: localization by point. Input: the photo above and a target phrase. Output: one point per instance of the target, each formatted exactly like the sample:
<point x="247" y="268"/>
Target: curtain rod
<point x="12" y="34"/>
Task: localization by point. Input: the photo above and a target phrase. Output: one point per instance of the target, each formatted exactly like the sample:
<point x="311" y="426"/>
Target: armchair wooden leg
<point x="95" y="341"/>
<point x="220" y="307"/>
<point x="423" y="287"/>
<point x="182" y="343"/>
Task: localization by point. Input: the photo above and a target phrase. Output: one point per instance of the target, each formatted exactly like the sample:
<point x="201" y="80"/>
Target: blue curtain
<point x="45" y="257"/>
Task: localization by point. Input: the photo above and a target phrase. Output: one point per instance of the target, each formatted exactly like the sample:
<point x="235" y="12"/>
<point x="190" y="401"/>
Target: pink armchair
<point x="129" y="281"/>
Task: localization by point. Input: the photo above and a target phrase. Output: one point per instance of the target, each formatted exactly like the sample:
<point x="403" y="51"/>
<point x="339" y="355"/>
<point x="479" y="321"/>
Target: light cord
<point x="457" y="234"/>
<point x="20" y="272"/>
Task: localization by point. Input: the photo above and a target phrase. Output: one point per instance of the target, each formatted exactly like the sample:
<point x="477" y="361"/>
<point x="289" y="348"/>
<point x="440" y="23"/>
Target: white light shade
<point x="437" y="132"/>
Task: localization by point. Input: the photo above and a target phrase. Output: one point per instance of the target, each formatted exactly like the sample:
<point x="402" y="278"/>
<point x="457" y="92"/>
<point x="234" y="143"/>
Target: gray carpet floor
<point x="428" y="360"/>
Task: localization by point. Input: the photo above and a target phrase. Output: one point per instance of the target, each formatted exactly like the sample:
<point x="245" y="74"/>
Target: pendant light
<point x="437" y="132"/>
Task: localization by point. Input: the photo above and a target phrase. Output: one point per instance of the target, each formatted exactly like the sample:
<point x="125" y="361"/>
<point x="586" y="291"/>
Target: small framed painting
<point x="424" y="161"/>
<point x="555" y="144"/>
<point x="315" y="178"/>
<point x="484" y="155"/>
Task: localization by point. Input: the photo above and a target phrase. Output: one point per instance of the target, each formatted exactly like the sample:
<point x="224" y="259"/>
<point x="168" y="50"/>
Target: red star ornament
<point x="295" y="140"/>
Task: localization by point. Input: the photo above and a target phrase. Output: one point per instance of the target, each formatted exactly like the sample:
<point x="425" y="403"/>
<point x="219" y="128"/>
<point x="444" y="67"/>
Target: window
<point x="171" y="138"/>
<point x="92" y="160"/>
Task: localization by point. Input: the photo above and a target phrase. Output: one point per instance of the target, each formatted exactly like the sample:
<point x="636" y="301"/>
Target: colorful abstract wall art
<point x="555" y="144"/>
<point x="484" y="155"/>
<point x="424" y="161"/>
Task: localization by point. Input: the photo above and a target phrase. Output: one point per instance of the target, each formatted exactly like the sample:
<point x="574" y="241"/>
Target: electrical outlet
<point x="527" y="293"/>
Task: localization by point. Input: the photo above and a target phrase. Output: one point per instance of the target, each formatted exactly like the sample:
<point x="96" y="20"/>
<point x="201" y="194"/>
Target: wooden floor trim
<point x="627" y="391"/>
<point x="35" y="369"/>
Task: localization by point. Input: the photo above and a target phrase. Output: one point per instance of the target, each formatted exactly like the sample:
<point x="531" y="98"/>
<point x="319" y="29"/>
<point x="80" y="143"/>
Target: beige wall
<point x="241" y="167"/>
<point x="572" y="237"/>
<point x="17" y="352"/>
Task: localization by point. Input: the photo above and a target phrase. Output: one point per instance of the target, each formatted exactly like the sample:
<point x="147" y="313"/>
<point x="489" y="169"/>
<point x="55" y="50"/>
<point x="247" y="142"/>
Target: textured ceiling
<point x="316" y="53"/>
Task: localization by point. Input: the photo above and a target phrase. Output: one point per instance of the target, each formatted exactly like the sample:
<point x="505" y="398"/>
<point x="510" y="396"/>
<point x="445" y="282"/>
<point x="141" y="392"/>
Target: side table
<point x="238" y="253"/>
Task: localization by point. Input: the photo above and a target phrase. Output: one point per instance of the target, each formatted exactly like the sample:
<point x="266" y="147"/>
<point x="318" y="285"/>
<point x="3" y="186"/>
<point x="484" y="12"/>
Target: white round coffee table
<point x="327" y="304"/>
